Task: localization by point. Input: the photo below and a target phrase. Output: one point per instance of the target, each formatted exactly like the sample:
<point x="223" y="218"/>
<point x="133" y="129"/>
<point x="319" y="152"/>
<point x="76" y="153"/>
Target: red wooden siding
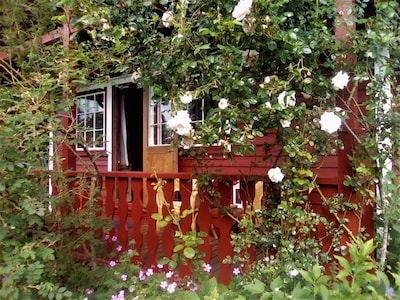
<point x="83" y="162"/>
<point x="252" y="164"/>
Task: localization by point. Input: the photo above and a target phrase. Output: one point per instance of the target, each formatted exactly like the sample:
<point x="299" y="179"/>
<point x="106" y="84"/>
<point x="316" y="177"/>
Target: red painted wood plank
<point x="122" y="213"/>
<point x="152" y="237"/>
<point x="168" y="242"/>
<point x="136" y="214"/>
<point x="225" y="248"/>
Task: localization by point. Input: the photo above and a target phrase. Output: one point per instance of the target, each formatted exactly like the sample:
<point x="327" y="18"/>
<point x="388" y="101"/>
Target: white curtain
<point x="123" y="136"/>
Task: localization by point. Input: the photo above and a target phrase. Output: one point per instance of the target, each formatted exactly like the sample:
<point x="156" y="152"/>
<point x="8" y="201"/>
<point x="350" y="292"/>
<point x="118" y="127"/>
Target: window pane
<point x="89" y="121"/>
<point x="98" y="142"/>
<point x="89" y="139"/>
<point x="100" y="102"/>
<point x="81" y="121"/>
<point x="99" y="121"/>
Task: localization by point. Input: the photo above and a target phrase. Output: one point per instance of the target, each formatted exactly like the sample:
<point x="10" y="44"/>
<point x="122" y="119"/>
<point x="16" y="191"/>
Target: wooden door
<point x="160" y="159"/>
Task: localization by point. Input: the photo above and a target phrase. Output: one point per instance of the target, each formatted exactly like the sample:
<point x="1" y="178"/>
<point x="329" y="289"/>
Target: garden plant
<point x="293" y="70"/>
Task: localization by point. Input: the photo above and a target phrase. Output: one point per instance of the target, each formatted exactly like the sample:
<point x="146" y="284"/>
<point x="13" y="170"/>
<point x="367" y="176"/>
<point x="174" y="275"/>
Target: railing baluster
<point x="152" y="237"/>
<point x="136" y="217"/>
<point x="109" y="205"/>
<point x="122" y="212"/>
<point x="185" y="191"/>
<point x="167" y="233"/>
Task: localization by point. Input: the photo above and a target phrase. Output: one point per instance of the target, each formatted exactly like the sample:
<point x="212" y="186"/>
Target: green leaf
<point x="157" y="217"/>
<point x="189" y="295"/>
<point x="307" y="276"/>
<point x="344" y="263"/>
<point x="201" y="47"/>
<point x="276" y="283"/>
<point x="68" y="294"/>
<point x="172" y="265"/>
<point x="255" y="288"/>
<point x="202" y="234"/>
<point x="323" y="290"/>
<point x="178" y="248"/>
<point x="316" y="271"/>
<point x="209" y="286"/>
<point x="189" y="252"/>
<point x="265" y="296"/>
<point x="162" y="223"/>
<point x="301" y="294"/>
<point x="163" y="260"/>
<point x="278" y="295"/>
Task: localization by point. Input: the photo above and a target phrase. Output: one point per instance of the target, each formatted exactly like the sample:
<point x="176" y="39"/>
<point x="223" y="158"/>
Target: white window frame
<point x="95" y="131"/>
<point x="156" y="125"/>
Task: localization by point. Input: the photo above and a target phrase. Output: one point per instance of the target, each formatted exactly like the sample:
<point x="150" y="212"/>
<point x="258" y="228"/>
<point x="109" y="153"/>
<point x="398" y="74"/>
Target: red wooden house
<point x="127" y="128"/>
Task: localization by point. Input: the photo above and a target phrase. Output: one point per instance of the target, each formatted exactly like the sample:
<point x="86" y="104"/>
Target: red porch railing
<point x="129" y="198"/>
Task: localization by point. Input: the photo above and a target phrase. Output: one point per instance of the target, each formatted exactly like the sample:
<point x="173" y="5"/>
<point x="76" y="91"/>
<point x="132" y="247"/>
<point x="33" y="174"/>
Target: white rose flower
<point x="167" y="18"/>
<point x="330" y="122"/>
<point x="285" y="123"/>
<point x="293" y="273"/>
<point x="223" y="103"/>
<point x="275" y="175"/>
<point x="136" y="75"/>
<point x="181" y="123"/>
<point x="186" y="98"/>
<point x="340" y="80"/>
<point x="242" y="9"/>
<point x="268" y="105"/>
<point x="285" y="99"/>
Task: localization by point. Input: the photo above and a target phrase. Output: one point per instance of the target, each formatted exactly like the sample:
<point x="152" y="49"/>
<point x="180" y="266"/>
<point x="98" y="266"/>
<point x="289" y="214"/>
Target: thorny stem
<point x="336" y="216"/>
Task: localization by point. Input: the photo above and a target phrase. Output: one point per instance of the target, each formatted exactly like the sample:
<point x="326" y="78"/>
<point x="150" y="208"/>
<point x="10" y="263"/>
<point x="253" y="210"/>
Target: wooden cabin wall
<point x="84" y="164"/>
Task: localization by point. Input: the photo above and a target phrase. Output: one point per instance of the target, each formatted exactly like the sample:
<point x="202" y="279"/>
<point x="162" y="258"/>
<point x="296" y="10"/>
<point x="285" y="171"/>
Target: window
<point x="161" y="113"/>
<point x="90" y="116"/>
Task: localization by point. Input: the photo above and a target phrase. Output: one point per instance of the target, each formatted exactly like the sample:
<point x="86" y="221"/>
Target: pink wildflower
<point x="114" y="238"/>
<point x="112" y="263"/>
<point x="236" y="271"/>
<point x="149" y="272"/>
<point x="207" y="268"/>
<point x="142" y="276"/>
<point x="192" y="285"/>
<point x="119" y="248"/>
<point x="163" y="285"/>
<point x="171" y="288"/>
<point x="124" y="277"/>
<point x="169" y="274"/>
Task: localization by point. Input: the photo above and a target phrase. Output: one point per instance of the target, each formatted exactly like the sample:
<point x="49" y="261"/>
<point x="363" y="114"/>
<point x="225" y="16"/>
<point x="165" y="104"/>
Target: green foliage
<point x="279" y="47"/>
<point x="186" y="243"/>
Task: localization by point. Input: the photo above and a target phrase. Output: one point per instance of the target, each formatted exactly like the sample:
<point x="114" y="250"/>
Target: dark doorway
<point x="128" y="128"/>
